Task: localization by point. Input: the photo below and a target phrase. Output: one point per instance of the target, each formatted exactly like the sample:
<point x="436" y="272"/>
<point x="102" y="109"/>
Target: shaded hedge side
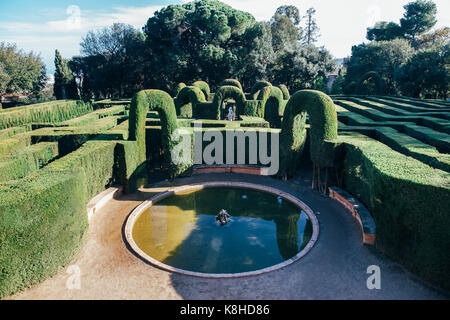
<point x="409" y="201"/>
<point x="178" y="88"/>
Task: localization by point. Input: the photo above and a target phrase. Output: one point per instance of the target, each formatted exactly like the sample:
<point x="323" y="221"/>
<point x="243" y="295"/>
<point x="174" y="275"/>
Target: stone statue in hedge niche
<point x="223" y="217"/>
<point x="230" y="116"/>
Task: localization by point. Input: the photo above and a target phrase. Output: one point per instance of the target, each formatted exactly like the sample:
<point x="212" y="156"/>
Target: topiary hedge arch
<point x="254" y="91"/>
<point x="324" y="125"/>
<point x="285" y="90"/>
<point x="271" y="104"/>
<point x="229" y="92"/>
<point x="188" y="95"/>
<point x="161" y="102"/>
<point x="202" y="85"/>
<point x="231" y="82"/>
<point x="178" y="88"/>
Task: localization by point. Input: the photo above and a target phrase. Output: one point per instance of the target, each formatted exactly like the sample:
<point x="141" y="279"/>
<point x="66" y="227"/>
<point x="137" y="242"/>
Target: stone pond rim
<point x="131" y="219"/>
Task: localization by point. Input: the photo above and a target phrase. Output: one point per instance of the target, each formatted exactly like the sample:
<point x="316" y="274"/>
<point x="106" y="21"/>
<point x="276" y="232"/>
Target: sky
<point x="45" y="25"/>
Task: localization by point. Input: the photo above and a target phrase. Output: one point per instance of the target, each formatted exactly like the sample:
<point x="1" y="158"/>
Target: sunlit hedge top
<point x="231" y="82"/>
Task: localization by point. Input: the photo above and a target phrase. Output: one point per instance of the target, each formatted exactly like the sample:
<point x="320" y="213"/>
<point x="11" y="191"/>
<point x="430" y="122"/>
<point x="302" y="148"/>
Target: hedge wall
<point x="409" y="201"/>
<point x="43" y="216"/>
<point x="29" y="159"/>
<point x="55" y="111"/>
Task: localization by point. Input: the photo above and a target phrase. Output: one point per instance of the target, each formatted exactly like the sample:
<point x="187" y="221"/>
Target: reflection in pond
<point x="181" y="231"/>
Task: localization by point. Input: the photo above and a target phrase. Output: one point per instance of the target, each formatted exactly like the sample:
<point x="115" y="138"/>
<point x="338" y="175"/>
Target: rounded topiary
<point x="264" y="95"/>
<point x="229" y="92"/>
<point x="254" y="92"/>
<point x="178" y="88"/>
<point x="202" y="85"/>
<point x="323" y="120"/>
<point x="160" y="101"/>
<point x="231" y="82"/>
<point x="187" y="100"/>
<point x="285" y="90"/>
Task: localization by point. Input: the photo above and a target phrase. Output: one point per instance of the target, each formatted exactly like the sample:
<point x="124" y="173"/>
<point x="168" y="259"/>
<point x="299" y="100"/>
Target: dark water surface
<point x="181" y="231"/>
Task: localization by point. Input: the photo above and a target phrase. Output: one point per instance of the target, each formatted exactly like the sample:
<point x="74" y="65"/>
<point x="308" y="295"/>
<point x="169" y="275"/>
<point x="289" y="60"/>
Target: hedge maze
<point x="392" y="153"/>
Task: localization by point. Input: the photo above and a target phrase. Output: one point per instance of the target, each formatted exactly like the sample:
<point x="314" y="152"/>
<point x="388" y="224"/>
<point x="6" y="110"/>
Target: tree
<point x="384" y="31"/>
<point x="198" y="40"/>
<point x="20" y="72"/>
<point x="311" y="28"/>
<point x="437" y="38"/>
<point x="284" y="32"/>
<point x="419" y="17"/>
<point x="426" y="74"/>
<point x="291" y="12"/>
<point x="64" y="86"/>
<point x="112" y="62"/>
<point x="380" y="57"/>
<point x="301" y="67"/>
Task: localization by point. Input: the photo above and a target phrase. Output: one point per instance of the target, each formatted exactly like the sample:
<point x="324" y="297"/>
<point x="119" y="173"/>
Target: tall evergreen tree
<point x="311" y="28"/>
<point x="64" y="86"/>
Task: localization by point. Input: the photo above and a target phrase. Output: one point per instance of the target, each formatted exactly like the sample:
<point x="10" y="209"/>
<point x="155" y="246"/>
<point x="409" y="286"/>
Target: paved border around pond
<point x="129" y="224"/>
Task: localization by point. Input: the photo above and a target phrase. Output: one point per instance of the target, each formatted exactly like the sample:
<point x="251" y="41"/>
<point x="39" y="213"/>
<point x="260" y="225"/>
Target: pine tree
<point x="311" y="28"/>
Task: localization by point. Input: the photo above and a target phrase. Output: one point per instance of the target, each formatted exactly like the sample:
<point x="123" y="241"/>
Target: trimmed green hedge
<point x="12" y="131"/>
<point x="285" y="90"/>
<point x="231" y="82"/>
<point x="274" y="94"/>
<point x="178" y="88"/>
<point x="202" y="85"/>
<point x="42" y="223"/>
<point x="409" y="201"/>
<point x="29" y="159"/>
<point x="229" y="92"/>
<point x="323" y="119"/>
<point x="254" y="91"/>
<point x="52" y="112"/>
<point x="187" y="100"/>
<point x="160" y="101"/>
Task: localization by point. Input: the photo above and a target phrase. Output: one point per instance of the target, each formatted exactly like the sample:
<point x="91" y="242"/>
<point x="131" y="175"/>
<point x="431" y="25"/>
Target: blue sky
<point x="45" y="25"/>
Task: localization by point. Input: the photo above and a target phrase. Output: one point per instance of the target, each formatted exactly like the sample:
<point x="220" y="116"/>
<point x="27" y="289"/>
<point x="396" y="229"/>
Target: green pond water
<point x="181" y="231"/>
